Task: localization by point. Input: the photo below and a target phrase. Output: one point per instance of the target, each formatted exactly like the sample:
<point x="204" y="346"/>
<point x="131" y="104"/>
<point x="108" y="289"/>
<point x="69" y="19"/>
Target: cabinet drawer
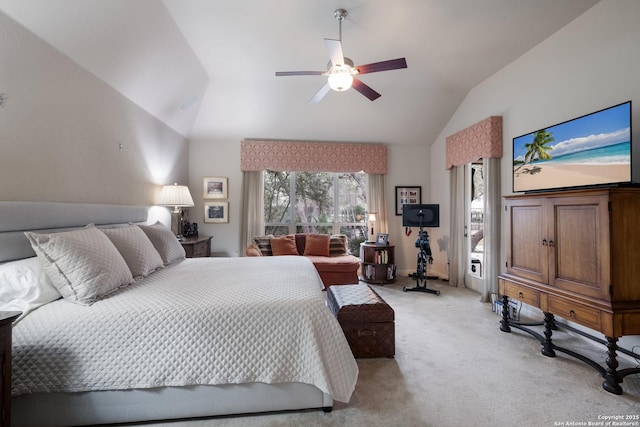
<point x="582" y="314"/>
<point x="522" y="293"/>
<point x="200" y="250"/>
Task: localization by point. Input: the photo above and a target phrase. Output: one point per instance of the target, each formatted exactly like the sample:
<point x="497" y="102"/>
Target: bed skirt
<point x="165" y="403"/>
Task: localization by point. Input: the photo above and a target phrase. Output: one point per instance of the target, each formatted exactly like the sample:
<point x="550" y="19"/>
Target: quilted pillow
<point x="284" y="245"/>
<point x="338" y="245"/>
<point x="136" y="249"/>
<point x="316" y="245"/>
<point x="83" y="265"/>
<point x="264" y="244"/>
<point x="165" y="242"/>
<point x="24" y="286"/>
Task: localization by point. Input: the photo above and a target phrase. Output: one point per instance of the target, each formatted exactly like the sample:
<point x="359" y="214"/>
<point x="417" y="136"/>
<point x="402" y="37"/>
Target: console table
<point x="6" y="320"/>
<point x="574" y="255"/>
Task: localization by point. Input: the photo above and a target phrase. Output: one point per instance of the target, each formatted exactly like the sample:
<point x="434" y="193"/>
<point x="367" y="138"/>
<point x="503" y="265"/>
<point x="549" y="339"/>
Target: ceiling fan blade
<point x="392" y="64"/>
<point x="299" y="73"/>
<point x="365" y="90"/>
<point x="334" y="48"/>
<point x="320" y="94"/>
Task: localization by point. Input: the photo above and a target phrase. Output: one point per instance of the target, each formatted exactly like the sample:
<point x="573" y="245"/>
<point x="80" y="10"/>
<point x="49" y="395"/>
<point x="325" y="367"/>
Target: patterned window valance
<point x="480" y="141"/>
<point x="296" y="156"/>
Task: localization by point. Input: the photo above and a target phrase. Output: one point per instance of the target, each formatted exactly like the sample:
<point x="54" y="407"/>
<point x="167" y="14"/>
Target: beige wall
<point x="67" y="136"/>
<point x="590" y="64"/>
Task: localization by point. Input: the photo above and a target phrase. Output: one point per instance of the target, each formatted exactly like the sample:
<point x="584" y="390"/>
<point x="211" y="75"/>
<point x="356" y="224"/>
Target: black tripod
<point x="424" y="258"/>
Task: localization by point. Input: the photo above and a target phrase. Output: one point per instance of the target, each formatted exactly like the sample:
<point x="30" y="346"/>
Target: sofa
<point x="328" y="253"/>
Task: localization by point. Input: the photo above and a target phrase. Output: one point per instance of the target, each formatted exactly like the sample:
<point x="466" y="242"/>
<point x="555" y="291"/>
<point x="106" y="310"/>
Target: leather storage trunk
<point x="366" y="319"/>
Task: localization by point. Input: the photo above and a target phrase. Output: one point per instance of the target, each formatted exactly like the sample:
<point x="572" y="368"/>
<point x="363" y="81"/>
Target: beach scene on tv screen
<point x="591" y="150"/>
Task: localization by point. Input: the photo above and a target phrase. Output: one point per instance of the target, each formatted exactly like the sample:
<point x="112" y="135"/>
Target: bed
<point x="191" y="338"/>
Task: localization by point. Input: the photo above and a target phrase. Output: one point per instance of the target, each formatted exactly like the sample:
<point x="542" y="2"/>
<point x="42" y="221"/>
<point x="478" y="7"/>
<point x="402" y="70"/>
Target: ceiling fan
<point x="341" y="73"/>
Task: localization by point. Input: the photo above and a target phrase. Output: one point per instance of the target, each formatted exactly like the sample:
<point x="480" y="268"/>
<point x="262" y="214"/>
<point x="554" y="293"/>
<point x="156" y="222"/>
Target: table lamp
<point x="179" y="197"/>
<point x="372" y="223"/>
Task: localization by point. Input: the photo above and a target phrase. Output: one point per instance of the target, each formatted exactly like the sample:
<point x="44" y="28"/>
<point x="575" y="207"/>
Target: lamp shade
<point x="372" y="217"/>
<point x="175" y="195"/>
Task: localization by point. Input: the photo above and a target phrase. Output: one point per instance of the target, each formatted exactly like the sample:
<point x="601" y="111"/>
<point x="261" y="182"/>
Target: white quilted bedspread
<point x="202" y="321"/>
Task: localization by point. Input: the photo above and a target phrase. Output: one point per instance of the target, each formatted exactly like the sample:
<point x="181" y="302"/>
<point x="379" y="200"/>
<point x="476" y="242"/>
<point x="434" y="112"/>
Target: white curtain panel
<point x="377" y="201"/>
<point x="458" y="256"/>
<point x="492" y="215"/>
<point x="252" y="206"/>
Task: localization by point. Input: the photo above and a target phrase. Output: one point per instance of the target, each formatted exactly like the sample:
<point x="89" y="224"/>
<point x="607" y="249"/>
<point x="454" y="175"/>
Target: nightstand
<point x="196" y="247"/>
<point x="6" y="319"/>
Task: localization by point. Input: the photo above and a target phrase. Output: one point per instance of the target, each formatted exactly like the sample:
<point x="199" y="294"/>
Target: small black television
<point x="421" y="215"/>
<point x="593" y="150"/>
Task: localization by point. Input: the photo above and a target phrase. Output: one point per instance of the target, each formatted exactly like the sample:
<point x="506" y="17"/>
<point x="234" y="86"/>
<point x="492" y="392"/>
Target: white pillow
<point x="24" y="286"/>
<point x="136" y="249"/>
<point x="165" y="242"/>
<point x="83" y="265"/>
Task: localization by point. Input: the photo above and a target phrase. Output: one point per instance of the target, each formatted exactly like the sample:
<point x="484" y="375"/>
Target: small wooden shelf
<point x="377" y="263"/>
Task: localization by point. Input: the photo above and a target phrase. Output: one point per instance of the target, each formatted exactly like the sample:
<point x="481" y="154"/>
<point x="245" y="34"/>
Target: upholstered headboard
<point x="18" y="217"/>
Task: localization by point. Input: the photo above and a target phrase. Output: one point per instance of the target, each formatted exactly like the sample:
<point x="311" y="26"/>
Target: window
<point x="323" y="202"/>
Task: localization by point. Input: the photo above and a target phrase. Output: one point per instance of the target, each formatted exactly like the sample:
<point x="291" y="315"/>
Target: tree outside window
<point x="323" y="202"/>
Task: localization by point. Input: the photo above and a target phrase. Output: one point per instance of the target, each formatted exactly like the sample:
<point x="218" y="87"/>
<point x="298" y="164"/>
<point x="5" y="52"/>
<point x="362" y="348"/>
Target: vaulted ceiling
<point x="207" y="68"/>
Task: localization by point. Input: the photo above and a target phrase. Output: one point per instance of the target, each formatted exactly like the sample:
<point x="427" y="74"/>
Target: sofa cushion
<point x="317" y="245"/>
<point x="338" y="245"/>
<point x="284" y="245"/>
<point x="347" y="263"/>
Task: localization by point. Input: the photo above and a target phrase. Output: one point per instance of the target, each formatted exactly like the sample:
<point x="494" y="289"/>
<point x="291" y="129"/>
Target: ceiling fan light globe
<point x="340" y="81"/>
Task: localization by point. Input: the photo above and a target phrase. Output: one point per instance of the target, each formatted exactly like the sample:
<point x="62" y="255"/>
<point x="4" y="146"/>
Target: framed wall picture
<point x="214" y="187"/>
<point x="216" y="212"/>
<point x="407" y="195"/>
<point x="382" y="239"/>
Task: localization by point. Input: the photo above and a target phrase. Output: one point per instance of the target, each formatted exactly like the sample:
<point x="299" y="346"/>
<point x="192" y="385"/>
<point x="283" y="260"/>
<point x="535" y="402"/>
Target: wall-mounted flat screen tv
<point x="419" y="215"/>
<point x="589" y="151"/>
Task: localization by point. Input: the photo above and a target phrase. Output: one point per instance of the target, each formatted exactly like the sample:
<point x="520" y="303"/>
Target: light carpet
<point x="454" y="367"/>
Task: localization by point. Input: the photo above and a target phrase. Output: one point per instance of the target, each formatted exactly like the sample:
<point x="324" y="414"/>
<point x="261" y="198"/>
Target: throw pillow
<point x="264" y="244"/>
<point x="165" y="242"/>
<point x="83" y="265"/>
<point x="317" y="245"/>
<point x="136" y="249"/>
<point x="338" y="245"/>
<point x="284" y="245"/>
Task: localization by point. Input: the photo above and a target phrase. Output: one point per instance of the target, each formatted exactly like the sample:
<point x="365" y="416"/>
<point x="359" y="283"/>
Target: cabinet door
<point x="527" y="250"/>
<point x="580" y="246"/>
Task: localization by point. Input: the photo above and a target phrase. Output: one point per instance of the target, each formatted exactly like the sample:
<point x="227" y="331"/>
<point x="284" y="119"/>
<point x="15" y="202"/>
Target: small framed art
<point x="214" y="187"/>
<point x="382" y="239"/>
<point x="216" y="212"/>
<point x="407" y="195"/>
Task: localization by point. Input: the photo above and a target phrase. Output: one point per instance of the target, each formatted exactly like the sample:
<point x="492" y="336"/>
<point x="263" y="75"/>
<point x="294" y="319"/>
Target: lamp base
<point x="176" y="223"/>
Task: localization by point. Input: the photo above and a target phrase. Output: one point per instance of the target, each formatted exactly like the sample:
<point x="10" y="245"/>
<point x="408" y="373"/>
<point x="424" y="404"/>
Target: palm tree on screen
<point x="539" y="147"/>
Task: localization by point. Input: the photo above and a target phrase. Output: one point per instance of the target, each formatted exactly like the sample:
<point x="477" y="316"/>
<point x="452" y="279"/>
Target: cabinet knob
<point x="572" y="313"/>
<point x="551" y="243"/>
<point x="544" y="242"/>
<point x="520" y="295"/>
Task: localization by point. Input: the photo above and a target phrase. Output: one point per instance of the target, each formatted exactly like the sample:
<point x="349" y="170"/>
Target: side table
<point x="6" y="320"/>
<point x="377" y="263"/>
<point x="197" y="246"/>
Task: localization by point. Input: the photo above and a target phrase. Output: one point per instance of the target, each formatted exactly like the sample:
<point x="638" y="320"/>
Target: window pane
<point x="320" y="229"/>
<point x="356" y="234"/>
<point x="352" y="197"/>
<point x="276" y="230"/>
<point x="324" y="203"/>
<point x="277" y="186"/>
<point x="314" y="197"/>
